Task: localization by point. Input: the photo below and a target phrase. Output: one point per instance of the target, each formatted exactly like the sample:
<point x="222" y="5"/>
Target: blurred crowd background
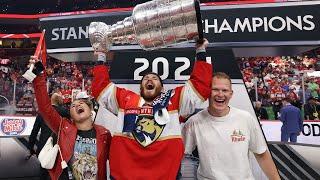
<point x="270" y="79"/>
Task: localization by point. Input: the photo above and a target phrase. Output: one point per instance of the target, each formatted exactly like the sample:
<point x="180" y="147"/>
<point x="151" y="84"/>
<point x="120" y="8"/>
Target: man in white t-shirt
<point x="224" y="136"/>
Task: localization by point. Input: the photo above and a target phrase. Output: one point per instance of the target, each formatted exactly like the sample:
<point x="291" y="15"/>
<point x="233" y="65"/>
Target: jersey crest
<point x="147" y="130"/>
<point x="142" y="125"/>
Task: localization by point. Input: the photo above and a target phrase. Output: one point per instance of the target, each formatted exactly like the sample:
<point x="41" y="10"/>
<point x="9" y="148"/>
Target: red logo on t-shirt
<point x="237" y="136"/>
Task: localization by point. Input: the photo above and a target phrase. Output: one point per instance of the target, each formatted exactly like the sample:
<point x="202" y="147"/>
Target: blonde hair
<point x="221" y="75"/>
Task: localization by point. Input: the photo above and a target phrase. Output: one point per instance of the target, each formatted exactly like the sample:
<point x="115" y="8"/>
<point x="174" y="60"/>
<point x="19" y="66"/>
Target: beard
<point x="150" y="96"/>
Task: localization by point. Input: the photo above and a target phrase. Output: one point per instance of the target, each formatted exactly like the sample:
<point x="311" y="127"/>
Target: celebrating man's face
<point x="150" y="87"/>
<point x="221" y="94"/>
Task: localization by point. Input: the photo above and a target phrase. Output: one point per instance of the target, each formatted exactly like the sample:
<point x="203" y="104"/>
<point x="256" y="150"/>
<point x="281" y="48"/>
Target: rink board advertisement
<point x="309" y="135"/>
<point x="12" y="126"/>
<point x="288" y="23"/>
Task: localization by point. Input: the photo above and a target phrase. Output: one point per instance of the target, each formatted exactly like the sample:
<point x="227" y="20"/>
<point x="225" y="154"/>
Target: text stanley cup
<point x="153" y="25"/>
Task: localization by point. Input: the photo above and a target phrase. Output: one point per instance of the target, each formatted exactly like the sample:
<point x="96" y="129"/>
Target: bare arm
<point x="267" y="165"/>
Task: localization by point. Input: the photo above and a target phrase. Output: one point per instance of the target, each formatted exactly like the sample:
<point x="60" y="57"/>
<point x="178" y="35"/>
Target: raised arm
<point x="201" y="75"/>
<point x="101" y="79"/>
<point x="198" y="88"/>
<point x="48" y="113"/>
<point x="104" y="91"/>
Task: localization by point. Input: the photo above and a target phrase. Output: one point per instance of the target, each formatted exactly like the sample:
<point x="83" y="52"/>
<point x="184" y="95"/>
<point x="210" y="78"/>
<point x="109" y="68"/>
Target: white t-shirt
<point x="223" y="143"/>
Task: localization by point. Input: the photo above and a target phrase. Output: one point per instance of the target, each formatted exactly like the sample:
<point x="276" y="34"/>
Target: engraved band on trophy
<point x="153" y="25"/>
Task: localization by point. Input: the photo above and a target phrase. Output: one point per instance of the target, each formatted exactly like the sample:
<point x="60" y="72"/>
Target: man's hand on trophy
<point x="100" y="56"/>
<point x="202" y="44"/>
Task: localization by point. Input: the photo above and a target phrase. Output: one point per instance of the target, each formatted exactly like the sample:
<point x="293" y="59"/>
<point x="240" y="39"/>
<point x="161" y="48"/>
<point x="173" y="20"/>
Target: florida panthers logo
<point x="147" y="130"/>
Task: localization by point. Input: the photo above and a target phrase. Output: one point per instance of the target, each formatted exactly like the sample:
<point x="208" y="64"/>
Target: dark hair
<point x="87" y="101"/>
<point x="153" y="74"/>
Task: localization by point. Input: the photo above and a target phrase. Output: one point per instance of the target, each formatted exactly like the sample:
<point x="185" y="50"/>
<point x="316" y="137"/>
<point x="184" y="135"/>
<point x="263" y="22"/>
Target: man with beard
<point x="147" y="142"/>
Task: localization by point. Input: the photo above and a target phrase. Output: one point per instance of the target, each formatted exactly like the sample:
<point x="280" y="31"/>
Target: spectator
<point x="314" y="88"/>
<point x="224" y="135"/>
<point x="83" y="144"/>
<point x="312" y="109"/>
<point x="276" y="106"/>
<point x="260" y="111"/>
<point x="56" y="102"/>
<point x="279" y="78"/>
<point x="307" y="93"/>
<point x="290" y="116"/>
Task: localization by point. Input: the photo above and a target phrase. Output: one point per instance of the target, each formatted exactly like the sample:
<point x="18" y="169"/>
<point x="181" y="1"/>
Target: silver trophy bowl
<point x="153" y="25"/>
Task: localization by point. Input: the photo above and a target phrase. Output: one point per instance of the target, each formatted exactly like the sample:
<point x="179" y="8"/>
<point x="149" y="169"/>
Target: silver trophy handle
<point x="29" y="75"/>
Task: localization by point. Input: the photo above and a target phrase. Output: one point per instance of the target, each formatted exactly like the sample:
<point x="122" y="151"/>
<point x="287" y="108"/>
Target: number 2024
<point x="165" y="65"/>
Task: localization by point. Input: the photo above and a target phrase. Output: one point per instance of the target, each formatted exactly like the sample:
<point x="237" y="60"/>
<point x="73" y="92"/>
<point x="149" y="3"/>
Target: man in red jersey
<point x="147" y="142"/>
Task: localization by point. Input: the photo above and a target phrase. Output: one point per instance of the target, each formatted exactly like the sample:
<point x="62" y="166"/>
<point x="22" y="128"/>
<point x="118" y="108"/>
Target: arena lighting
<point x="19" y="36"/>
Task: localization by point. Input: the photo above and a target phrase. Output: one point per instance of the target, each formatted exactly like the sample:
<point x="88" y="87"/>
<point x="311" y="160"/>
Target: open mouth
<point x="150" y="86"/>
<point x="80" y="110"/>
<point x="88" y="174"/>
<point x="219" y="101"/>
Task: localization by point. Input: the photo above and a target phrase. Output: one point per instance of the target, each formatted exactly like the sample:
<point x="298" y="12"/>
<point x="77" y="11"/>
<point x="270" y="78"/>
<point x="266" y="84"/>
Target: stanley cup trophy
<point x="153" y="25"/>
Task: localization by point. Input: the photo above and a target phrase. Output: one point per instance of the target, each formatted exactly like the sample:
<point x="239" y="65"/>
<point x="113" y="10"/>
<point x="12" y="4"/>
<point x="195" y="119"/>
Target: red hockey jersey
<point x="141" y="148"/>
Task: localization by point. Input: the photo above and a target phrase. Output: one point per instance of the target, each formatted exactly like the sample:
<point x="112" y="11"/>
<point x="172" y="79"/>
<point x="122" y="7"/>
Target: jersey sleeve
<point x="49" y="114"/>
<point x="106" y="93"/>
<point x="196" y="90"/>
